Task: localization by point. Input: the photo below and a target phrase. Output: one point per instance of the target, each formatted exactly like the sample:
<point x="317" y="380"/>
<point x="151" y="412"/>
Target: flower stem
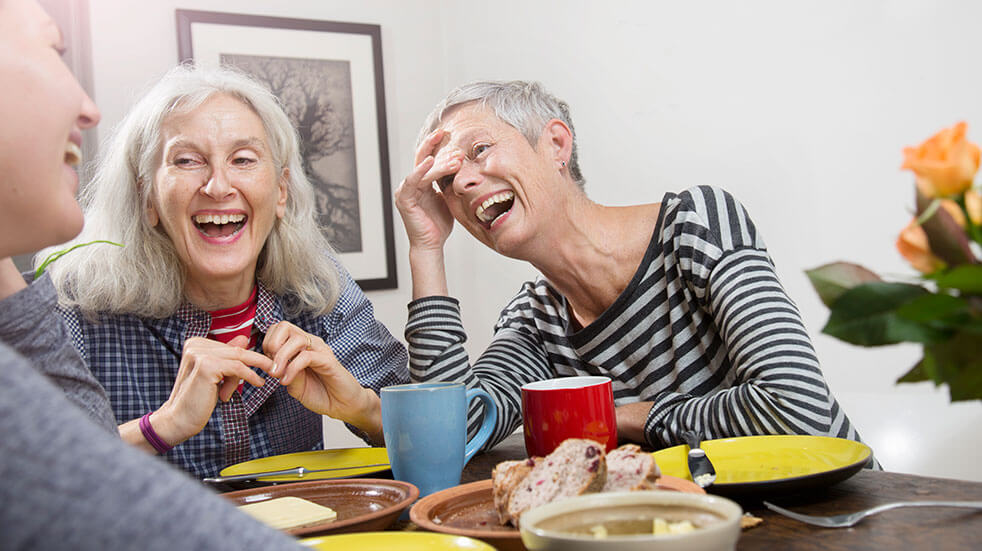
<point x="58" y="254"/>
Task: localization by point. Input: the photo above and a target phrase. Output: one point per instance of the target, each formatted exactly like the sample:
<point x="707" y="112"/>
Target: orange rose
<point x="945" y="164"/>
<point x="973" y="204"/>
<point x="913" y="246"/>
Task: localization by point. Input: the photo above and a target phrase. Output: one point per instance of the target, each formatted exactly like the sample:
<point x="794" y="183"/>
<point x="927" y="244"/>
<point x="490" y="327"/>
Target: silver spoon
<point x="700" y="467"/>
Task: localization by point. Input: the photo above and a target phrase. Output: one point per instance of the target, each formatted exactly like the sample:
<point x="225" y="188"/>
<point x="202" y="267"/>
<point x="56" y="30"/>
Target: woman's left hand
<point x="307" y="367"/>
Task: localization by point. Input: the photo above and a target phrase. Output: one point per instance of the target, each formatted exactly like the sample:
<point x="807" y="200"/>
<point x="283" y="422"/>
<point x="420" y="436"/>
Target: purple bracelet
<point x="151" y="435"/>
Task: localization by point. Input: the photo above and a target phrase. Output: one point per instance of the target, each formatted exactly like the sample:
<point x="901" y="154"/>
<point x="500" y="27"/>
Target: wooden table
<point x="931" y="528"/>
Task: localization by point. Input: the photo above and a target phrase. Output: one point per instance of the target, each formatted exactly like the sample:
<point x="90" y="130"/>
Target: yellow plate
<point x="406" y="541"/>
<point x="313" y="460"/>
<point x="770" y="464"/>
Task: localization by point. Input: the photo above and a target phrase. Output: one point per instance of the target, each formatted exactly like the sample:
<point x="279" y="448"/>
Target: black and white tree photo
<point x="316" y="94"/>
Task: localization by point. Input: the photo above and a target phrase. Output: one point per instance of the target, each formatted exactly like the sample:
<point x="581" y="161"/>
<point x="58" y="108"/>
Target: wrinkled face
<point x="216" y="190"/>
<point x="42" y="112"/>
<point x="505" y="187"/>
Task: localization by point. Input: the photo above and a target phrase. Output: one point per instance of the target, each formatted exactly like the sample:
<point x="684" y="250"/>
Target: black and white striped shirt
<point x="704" y="330"/>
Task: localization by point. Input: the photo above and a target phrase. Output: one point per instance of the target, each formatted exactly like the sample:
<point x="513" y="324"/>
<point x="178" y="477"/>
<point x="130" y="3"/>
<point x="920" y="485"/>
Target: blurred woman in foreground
<point x="66" y="479"/>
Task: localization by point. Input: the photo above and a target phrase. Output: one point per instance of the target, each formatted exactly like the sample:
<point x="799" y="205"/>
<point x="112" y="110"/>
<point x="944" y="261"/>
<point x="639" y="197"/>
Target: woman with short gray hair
<point x="677" y="302"/>
<point x="225" y="288"/>
<point x="525" y="106"/>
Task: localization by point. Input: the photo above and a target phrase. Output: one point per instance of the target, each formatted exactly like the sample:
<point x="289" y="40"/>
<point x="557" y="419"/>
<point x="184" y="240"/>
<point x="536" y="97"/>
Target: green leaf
<point x="831" y="280"/>
<point x="915" y="375"/>
<point x="935" y="307"/>
<point x="58" y="254"/>
<point x="966" y="278"/>
<point x="967" y="386"/>
<point x="956" y="362"/>
<point x="867" y="315"/>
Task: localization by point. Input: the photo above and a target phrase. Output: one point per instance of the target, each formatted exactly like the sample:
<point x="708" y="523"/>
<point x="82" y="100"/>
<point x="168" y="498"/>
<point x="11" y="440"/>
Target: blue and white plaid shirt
<point x="137" y="360"/>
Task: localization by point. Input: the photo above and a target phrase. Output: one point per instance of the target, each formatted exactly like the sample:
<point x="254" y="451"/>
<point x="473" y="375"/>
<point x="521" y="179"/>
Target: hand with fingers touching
<point x="209" y="371"/>
<point x="307" y="367"/>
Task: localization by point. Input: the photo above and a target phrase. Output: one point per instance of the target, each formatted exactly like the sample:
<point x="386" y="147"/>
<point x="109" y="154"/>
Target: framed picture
<point x="328" y="75"/>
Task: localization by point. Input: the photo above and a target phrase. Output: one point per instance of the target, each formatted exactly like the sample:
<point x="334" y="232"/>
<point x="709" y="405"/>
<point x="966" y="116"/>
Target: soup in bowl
<point x="650" y="520"/>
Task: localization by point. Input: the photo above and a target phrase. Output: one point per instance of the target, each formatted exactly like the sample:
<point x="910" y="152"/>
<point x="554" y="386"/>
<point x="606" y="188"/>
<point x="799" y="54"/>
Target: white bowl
<point x="721" y="534"/>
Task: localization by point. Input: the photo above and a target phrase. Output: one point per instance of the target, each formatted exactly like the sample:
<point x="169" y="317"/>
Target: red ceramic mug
<point x="568" y="407"/>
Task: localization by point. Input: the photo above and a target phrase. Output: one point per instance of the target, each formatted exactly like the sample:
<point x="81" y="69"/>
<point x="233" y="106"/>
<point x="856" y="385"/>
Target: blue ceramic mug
<point x="425" y="426"/>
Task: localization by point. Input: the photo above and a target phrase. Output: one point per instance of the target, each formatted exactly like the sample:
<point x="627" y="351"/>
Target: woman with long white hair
<point x="225" y="291"/>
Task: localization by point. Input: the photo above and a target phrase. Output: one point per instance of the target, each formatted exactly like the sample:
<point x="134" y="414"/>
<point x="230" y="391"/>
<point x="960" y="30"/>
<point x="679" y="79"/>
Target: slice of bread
<point x="629" y="469"/>
<point x="576" y="467"/>
<point x="505" y="477"/>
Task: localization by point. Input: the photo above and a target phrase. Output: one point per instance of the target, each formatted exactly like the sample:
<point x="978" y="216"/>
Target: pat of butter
<point x="289" y="512"/>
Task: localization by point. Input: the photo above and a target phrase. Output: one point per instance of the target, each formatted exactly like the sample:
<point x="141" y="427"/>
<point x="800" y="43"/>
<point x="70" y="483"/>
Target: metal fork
<point x="843" y="521"/>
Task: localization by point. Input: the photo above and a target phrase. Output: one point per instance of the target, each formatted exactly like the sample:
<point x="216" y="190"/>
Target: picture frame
<point x="328" y="75"/>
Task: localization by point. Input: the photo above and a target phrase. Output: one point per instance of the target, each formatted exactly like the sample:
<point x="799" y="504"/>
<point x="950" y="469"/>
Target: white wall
<point x="799" y="108"/>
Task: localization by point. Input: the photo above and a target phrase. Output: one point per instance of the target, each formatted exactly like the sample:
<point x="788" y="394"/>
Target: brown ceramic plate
<point x="468" y="510"/>
<point x="362" y="504"/>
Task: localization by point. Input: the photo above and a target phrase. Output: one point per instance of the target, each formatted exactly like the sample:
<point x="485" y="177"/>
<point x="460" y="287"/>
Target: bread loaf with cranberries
<point x="505" y="477"/>
<point x="576" y="467"/>
<point x="629" y="469"/>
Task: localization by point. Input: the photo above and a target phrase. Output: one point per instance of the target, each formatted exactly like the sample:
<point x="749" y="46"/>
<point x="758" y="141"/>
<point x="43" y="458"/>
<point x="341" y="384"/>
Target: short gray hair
<point x="526" y="106"/>
<point x="146" y="277"/>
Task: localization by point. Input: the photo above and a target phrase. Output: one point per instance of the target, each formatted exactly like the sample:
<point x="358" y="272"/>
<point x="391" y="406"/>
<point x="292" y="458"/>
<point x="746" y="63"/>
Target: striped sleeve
<point x="436" y="336"/>
<point x="361" y="343"/>
<point x="776" y="385"/>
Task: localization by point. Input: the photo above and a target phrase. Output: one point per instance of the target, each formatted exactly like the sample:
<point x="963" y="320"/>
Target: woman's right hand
<point x="424" y="213"/>
<point x="209" y="371"/>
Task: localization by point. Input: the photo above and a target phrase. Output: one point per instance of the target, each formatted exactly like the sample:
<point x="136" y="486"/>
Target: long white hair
<point x="146" y="277"/>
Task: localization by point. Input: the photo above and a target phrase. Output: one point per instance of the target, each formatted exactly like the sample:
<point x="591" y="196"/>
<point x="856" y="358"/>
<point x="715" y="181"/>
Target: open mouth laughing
<point x="73" y="154"/>
<point x="494" y="207"/>
<point x="219" y="225"/>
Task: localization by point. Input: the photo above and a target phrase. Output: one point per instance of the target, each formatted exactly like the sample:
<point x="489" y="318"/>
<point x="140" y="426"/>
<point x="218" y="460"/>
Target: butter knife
<point x="299" y="472"/>
<point x="702" y="470"/>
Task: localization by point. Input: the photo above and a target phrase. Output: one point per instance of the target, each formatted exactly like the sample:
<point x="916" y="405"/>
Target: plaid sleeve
<point x="361" y="343"/>
<point x="70" y="317"/>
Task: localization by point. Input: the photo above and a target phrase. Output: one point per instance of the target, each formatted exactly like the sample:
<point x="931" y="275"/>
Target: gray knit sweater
<point x="66" y="479"/>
